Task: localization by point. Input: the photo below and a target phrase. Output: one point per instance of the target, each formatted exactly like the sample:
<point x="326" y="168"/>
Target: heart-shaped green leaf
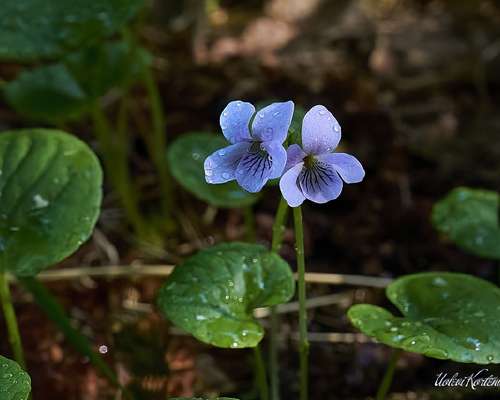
<point x="65" y="90"/>
<point x="112" y="64"/>
<point x="15" y="384"/>
<point x="41" y="29"/>
<point x="50" y="196"/>
<point x="445" y="315"/>
<point x="47" y="93"/>
<point x="213" y="294"/>
<point x="186" y="157"/>
<point x="469" y="217"/>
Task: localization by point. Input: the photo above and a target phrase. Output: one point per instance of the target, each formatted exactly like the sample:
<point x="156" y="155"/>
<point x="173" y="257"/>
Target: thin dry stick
<point x="137" y="270"/>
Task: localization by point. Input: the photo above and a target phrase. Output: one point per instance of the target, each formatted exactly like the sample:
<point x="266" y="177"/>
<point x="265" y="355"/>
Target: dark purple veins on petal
<point x="257" y="162"/>
<point x="316" y="176"/>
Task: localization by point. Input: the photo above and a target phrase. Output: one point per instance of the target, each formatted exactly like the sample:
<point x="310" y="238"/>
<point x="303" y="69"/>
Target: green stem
<point x="56" y="313"/>
<point x="301" y="271"/>
<point x="157" y="144"/>
<point x="249" y="224"/>
<point x="260" y="370"/>
<point x="389" y="373"/>
<point x="115" y="157"/>
<point x="278" y="231"/>
<point x="11" y="321"/>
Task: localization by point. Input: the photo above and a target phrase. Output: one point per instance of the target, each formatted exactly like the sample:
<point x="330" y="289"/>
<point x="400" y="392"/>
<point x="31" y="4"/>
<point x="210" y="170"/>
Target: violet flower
<point x="314" y="171"/>
<point x="254" y="156"/>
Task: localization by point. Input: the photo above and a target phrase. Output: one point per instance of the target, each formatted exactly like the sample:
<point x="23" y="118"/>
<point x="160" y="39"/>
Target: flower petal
<point x="295" y="155"/>
<point x="320" y="131"/>
<point x="320" y="183"/>
<point x="272" y="122"/>
<point x="349" y="168"/>
<point x="220" y="166"/>
<point x="278" y="157"/>
<point x="289" y="186"/>
<point x="254" y="169"/>
<point x="235" y="121"/>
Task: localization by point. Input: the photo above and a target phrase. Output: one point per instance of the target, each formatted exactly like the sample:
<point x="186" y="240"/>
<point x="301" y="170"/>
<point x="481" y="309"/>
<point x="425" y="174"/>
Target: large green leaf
<point x="113" y="64"/>
<point x="66" y="89"/>
<point x="186" y="157"/>
<point x="50" y="196"/>
<point x="213" y="294"/>
<point x="445" y="315"/>
<point x="41" y="29"/>
<point x="15" y="384"/>
<point x="469" y="217"/>
<point x="46" y="93"/>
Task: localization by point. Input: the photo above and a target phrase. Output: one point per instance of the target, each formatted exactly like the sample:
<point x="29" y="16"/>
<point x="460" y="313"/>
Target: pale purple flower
<point x="254" y="156"/>
<point x="314" y="171"/>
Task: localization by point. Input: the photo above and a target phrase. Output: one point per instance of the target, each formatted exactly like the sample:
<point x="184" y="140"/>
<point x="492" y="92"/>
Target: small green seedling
<point x="213" y="294"/>
<point x="15" y="384"/>
<point x="447" y="316"/>
<point x="185" y="158"/>
<point x="469" y="217"/>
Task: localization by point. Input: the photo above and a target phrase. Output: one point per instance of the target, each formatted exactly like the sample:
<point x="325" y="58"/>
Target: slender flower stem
<point x="278" y="231"/>
<point x="301" y="271"/>
<point x="260" y="369"/>
<point x="115" y="160"/>
<point x="11" y="321"/>
<point x="389" y="373"/>
<point x="158" y="141"/>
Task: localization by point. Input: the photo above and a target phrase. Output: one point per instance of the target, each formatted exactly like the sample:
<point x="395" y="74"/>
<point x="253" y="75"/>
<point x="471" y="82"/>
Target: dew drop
<point x="225" y="175"/>
<point x="221" y="152"/>
<point x="208" y="172"/>
<point x="490" y="358"/>
<point x="261" y="115"/>
<point x="103" y="349"/>
<point x="322" y="112"/>
<point x="39" y="201"/>
<point x="224" y="114"/>
<point x="276" y="114"/>
<point x="336" y="128"/>
<point x="439" y="282"/>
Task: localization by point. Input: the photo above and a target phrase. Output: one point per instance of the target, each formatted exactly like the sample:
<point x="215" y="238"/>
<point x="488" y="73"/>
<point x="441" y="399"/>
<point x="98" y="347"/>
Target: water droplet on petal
<point x="276" y="114"/>
<point x="322" y="112"/>
<point x="261" y="115"/>
<point x="225" y="175"/>
<point x="336" y="127"/>
<point x="221" y="152"/>
<point x="224" y="114"/>
<point x="208" y="172"/>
